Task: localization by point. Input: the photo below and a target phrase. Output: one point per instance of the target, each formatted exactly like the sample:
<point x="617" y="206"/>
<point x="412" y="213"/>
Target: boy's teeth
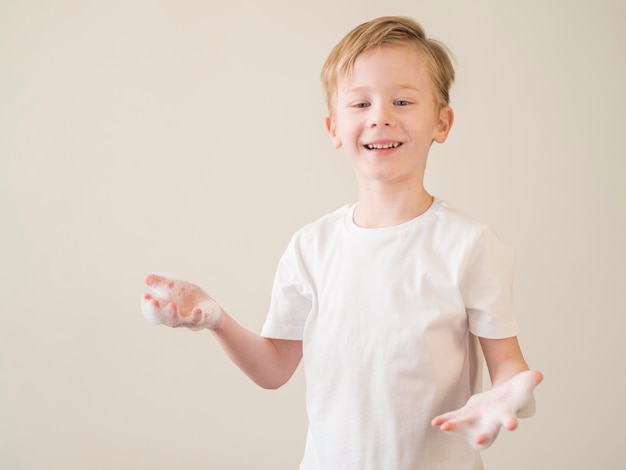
<point x="382" y="146"/>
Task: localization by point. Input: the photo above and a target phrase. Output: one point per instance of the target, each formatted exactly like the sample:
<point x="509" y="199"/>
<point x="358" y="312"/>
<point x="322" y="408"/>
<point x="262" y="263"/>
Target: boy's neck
<point x="386" y="207"/>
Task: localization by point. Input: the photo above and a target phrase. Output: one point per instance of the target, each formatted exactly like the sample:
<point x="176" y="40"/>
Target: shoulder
<point x="463" y="237"/>
<point x="323" y="227"/>
<point x="450" y="214"/>
<point x="315" y="240"/>
<point x="452" y="222"/>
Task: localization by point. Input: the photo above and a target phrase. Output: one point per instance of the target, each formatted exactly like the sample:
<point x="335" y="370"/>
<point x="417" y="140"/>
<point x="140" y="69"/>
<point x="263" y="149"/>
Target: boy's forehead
<point x="402" y="63"/>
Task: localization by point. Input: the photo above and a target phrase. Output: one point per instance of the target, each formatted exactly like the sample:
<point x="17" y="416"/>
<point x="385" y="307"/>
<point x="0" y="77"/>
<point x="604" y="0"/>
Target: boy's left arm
<point x="511" y="396"/>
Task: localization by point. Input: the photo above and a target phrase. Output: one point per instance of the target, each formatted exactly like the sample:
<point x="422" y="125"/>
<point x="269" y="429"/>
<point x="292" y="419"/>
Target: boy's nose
<point x="381" y="116"/>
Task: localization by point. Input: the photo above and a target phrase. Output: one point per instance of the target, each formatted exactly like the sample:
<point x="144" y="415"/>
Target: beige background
<point x="188" y="137"/>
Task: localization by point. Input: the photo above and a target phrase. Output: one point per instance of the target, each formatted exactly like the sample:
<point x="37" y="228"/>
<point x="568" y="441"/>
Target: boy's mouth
<point x="383" y="146"/>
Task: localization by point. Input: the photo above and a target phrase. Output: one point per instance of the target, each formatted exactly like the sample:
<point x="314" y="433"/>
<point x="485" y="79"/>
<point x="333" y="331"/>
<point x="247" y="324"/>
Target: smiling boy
<point x="383" y="299"/>
<point x="385" y="114"/>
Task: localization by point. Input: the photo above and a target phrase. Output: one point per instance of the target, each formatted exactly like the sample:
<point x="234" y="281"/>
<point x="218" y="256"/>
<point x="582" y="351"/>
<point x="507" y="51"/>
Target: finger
<point x="509" y="422"/>
<point x="458" y="421"/>
<point x="486" y="438"/>
<point x="453" y="425"/>
<point x="449" y="426"/>
<point x="152" y="279"/>
<point x="160" y="284"/>
<point x="171" y="313"/>
<point x="487" y="430"/>
<point x="197" y="316"/>
<point x="521" y="395"/>
<point x="151" y="309"/>
<point x="438" y="421"/>
<point x="528" y="379"/>
<point x="534" y="378"/>
<point x="482" y="442"/>
<point x="449" y="416"/>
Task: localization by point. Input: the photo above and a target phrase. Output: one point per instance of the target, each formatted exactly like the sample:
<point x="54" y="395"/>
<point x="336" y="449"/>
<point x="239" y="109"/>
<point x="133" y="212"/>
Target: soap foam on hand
<point x="481" y="419"/>
<point x="176" y="303"/>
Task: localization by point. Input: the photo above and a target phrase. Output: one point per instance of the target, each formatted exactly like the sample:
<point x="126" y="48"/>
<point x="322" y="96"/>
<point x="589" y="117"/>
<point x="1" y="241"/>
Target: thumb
<point x="160" y="283"/>
<point x="522" y="397"/>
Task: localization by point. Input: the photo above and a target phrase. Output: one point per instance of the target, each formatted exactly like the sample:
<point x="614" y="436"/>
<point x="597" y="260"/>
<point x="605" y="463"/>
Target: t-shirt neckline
<point x="408" y="225"/>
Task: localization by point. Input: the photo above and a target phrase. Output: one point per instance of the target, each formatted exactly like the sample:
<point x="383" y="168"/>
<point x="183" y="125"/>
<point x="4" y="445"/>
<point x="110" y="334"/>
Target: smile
<point x="389" y="145"/>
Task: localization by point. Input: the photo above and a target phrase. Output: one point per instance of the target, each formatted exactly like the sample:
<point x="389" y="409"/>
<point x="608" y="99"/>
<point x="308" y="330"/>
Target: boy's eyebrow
<point x="409" y="87"/>
<point x="358" y="89"/>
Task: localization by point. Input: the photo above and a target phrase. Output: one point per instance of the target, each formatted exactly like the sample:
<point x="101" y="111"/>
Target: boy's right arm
<point x="268" y="362"/>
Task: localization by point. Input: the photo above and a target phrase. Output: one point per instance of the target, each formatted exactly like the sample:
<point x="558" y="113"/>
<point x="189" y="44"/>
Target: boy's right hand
<point x="480" y="420"/>
<point x="177" y="303"/>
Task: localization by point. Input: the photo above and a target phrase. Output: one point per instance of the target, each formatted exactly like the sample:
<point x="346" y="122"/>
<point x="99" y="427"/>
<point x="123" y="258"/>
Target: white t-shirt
<point x="385" y="317"/>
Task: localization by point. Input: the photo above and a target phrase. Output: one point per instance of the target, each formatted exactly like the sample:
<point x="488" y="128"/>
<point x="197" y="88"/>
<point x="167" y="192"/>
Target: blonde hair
<point x="388" y="30"/>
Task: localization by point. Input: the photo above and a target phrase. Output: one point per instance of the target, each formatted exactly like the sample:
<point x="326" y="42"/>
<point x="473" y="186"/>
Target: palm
<point x="480" y="420"/>
<point x="176" y="303"/>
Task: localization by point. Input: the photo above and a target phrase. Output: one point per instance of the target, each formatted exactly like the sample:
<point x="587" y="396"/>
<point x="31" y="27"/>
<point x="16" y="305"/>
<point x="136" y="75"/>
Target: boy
<point x="383" y="299"/>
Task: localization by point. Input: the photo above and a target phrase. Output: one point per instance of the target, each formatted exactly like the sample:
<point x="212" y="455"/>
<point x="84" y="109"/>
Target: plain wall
<point x="188" y="137"/>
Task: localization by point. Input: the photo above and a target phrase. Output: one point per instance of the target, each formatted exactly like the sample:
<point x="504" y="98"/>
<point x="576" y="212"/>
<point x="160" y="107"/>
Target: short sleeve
<point x="487" y="287"/>
<point x="292" y="299"/>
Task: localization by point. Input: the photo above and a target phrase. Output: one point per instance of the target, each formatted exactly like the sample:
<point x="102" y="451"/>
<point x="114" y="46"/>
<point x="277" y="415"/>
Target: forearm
<point x="504" y="359"/>
<point x="506" y="370"/>
<point x="268" y="362"/>
<point x="175" y="303"/>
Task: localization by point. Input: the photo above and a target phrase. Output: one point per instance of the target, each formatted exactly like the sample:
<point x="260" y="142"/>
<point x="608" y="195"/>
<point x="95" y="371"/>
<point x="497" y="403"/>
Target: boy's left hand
<point x="479" y="421"/>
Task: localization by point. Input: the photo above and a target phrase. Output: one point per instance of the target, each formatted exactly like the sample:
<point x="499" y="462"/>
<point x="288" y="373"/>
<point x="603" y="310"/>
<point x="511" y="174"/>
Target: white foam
<point x="486" y="413"/>
<point x="178" y="304"/>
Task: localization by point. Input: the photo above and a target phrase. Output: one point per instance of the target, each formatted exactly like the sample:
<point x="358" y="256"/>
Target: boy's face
<point x="385" y="115"/>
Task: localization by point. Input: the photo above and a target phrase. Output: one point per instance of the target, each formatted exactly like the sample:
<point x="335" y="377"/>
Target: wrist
<point x="218" y="320"/>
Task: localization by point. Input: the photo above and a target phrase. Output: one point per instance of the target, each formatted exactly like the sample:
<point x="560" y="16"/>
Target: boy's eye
<point x="361" y="105"/>
<point x="401" y="102"/>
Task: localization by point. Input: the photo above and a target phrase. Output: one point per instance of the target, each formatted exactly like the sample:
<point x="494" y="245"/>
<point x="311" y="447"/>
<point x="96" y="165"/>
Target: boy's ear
<point x="444" y="124"/>
<point x="332" y="131"/>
